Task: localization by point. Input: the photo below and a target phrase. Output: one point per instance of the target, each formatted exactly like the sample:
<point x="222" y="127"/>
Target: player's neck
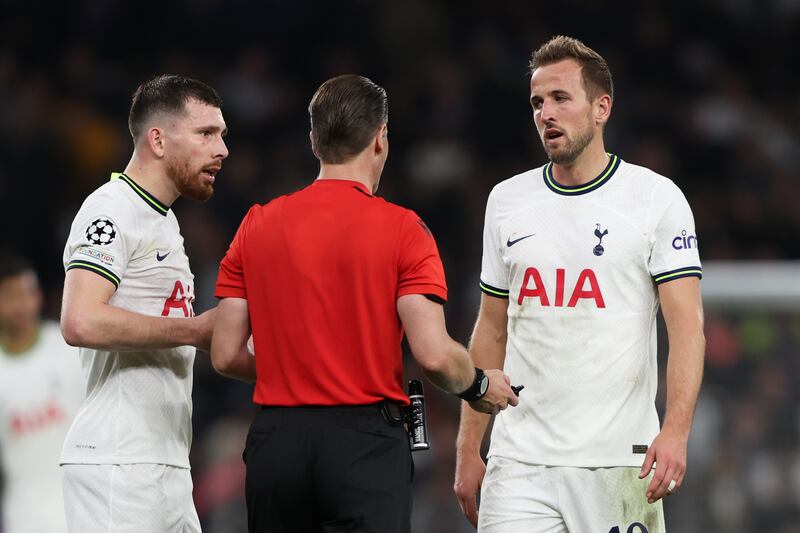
<point x="354" y="170"/>
<point x="585" y="168"/>
<point x="153" y="179"/>
<point x="19" y="342"/>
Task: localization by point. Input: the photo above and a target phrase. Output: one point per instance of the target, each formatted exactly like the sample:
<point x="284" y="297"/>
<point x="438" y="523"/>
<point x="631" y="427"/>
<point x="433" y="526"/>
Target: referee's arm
<point x="445" y="362"/>
<point x="229" y="353"/>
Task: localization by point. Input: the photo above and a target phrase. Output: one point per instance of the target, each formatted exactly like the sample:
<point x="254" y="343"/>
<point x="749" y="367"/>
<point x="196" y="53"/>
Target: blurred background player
<point x="577" y="256"/>
<point x="128" y="304"/>
<point x="40" y="391"/>
<point x="330" y="277"/>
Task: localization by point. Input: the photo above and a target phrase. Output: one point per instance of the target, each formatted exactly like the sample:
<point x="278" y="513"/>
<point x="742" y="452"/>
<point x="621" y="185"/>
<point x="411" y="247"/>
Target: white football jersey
<point x="580" y="267"/>
<point x="40" y="392"/>
<point x="138" y="407"/>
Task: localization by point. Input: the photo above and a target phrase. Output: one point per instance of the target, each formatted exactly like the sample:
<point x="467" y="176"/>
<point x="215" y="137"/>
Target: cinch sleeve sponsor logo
<point x="684" y="241"/>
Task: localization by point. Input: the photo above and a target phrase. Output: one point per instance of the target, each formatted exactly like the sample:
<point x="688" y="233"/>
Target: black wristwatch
<point x="477" y="389"/>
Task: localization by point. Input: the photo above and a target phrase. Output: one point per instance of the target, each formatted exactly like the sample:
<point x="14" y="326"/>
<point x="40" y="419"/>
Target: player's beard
<point x="191" y="183"/>
<point x="572" y="148"/>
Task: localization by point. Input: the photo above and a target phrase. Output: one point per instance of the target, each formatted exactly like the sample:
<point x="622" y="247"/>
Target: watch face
<point x="484" y="384"/>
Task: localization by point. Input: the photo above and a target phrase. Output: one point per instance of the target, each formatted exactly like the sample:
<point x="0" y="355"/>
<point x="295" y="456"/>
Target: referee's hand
<point x="498" y="396"/>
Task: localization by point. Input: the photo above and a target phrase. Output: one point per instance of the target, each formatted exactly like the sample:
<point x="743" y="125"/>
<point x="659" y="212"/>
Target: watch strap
<point x="474" y="392"/>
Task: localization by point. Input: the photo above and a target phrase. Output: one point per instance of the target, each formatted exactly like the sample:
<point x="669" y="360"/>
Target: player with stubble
<point x="330" y="277"/>
<point x="127" y="303"/>
<point x="577" y="257"/>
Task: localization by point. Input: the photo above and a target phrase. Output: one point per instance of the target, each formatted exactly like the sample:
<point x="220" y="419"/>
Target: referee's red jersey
<point x="321" y="270"/>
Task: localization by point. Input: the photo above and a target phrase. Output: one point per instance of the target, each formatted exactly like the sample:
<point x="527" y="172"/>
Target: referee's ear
<point x="382" y="139"/>
<point x="313" y="144"/>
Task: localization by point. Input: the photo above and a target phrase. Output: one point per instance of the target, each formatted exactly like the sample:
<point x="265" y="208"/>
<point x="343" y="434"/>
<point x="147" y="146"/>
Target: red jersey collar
<point x="348" y="183"/>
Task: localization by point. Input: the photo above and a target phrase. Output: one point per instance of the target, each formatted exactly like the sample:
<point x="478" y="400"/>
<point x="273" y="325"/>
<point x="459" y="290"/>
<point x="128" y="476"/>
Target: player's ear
<point x="602" y="109"/>
<point x="154" y="137"/>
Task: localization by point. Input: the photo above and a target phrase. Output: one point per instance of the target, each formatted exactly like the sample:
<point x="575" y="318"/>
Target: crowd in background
<point x="706" y="94"/>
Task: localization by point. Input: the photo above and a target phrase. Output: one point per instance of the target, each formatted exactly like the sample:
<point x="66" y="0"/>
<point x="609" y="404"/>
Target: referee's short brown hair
<point x="346" y="112"/>
<point x="594" y="69"/>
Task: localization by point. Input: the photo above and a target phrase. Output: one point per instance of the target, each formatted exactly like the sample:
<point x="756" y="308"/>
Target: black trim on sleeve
<point x="437" y="299"/>
<point x="493" y="291"/>
<point x="683" y="272"/>
<point x="97" y="269"/>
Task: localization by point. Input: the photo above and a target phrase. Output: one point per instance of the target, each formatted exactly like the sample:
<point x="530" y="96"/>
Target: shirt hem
<point x="575" y="463"/>
<point x="82" y="460"/>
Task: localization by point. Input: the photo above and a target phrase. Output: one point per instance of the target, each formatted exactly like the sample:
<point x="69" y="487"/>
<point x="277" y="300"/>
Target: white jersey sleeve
<point x="494" y="273"/>
<point x="103" y="237"/>
<point x="673" y="242"/>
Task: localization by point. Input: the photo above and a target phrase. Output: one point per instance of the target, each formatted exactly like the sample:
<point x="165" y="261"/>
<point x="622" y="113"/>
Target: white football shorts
<point x="522" y="498"/>
<point x="134" y="498"/>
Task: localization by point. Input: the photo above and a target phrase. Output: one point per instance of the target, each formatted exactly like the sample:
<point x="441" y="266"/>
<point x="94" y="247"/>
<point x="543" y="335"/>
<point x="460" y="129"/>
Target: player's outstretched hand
<point x="498" y="396"/>
<point x="667" y="455"/>
<point x="204" y="326"/>
<point x="470" y="470"/>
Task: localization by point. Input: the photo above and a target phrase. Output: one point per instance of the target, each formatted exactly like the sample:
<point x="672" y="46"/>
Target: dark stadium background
<point x="707" y="93"/>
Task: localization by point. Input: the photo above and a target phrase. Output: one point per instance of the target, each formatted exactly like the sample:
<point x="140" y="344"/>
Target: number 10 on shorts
<point x="636" y="527"/>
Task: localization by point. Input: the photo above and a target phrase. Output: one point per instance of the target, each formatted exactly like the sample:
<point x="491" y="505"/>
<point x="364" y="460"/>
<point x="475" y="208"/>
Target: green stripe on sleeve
<point x="493" y="291"/>
<point x="675" y="274"/>
<point x="104" y="272"/>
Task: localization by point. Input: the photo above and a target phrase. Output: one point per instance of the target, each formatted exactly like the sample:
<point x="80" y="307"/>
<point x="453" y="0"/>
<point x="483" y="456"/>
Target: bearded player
<point x="127" y="303"/>
<point x="577" y="257"/>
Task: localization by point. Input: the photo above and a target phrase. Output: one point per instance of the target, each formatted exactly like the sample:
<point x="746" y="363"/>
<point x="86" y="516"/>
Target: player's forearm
<point x="684" y="376"/>
<point x="487" y="350"/>
<point x="471" y="430"/>
<point x="682" y="306"/>
<point x="106" y="327"/>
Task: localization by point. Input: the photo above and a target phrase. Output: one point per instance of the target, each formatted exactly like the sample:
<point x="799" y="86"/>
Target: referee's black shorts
<point x="327" y="469"/>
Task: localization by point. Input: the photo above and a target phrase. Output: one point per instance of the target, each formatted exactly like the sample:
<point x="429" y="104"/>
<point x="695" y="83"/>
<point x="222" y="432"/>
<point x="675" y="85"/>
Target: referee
<point x="329" y="277"/>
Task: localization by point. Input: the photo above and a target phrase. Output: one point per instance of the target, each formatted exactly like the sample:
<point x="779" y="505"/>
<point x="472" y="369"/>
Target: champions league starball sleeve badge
<point x="101" y="232"/>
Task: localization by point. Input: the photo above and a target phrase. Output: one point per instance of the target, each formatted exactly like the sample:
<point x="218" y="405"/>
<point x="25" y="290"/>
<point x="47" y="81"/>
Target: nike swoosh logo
<point x="511" y="243"/>
<point x="160" y="257"/>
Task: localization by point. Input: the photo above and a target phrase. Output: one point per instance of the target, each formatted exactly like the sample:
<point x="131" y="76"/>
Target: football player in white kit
<point x="41" y="388"/>
<point x="128" y="304"/>
<point x="577" y="256"/>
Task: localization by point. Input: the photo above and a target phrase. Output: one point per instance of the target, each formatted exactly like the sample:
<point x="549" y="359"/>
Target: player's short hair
<point x="13" y="264"/>
<point x="596" y="75"/>
<point x="167" y="93"/>
<point x="345" y="112"/>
